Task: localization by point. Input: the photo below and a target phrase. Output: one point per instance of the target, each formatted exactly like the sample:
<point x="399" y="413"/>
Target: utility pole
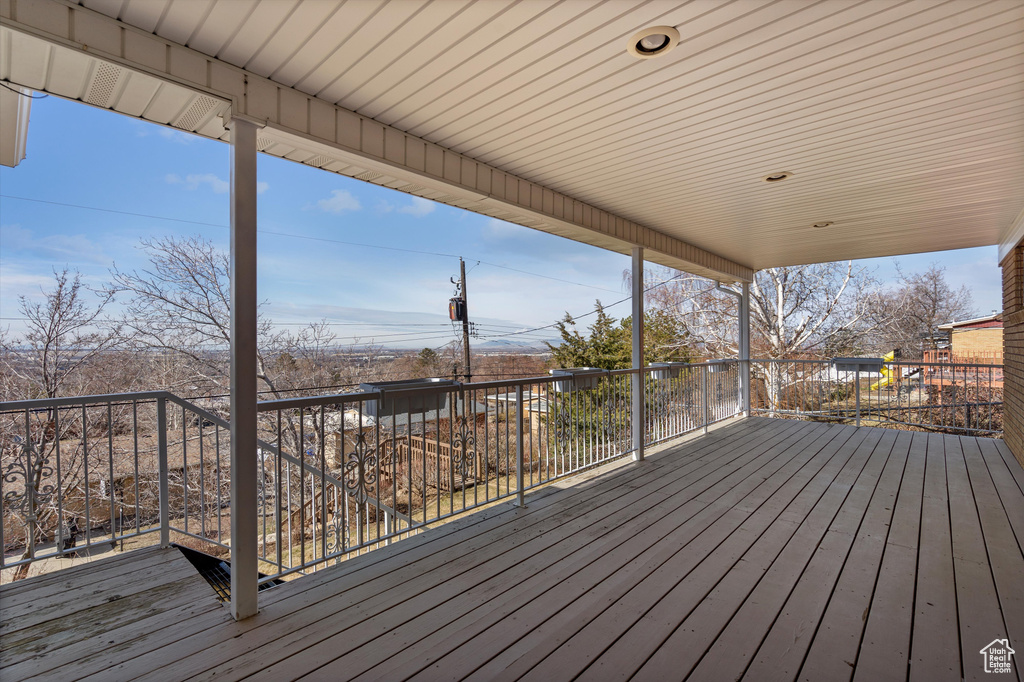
<point x="465" y="319"/>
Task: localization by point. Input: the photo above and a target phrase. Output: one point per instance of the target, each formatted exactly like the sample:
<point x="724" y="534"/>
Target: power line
<point x="307" y="237"/>
<point x="592" y="312"/>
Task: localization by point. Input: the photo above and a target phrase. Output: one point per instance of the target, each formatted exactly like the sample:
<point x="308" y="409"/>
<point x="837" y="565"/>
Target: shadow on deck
<point x="766" y="550"/>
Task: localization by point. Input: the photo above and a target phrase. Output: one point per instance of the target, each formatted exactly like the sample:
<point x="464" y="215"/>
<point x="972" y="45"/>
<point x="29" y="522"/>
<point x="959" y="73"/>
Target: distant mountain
<point x="509" y="344"/>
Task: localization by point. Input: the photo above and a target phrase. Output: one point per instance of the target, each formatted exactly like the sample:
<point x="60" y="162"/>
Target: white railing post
<point x="744" y="349"/>
<point x="638" y="355"/>
<point x="244" y="507"/>
<point x="519" y="446"/>
<point x="856" y="383"/>
<point x="706" y="371"/>
<point x="161" y="448"/>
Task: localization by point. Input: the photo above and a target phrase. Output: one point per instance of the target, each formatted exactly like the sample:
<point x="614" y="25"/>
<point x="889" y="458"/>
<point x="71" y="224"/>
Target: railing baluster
<point x="162" y="465"/>
<point x="60" y="483"/>
<point x="85" y="468"/>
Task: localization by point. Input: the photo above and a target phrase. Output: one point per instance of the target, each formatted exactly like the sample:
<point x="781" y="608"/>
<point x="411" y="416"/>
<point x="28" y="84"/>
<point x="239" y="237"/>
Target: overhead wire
<point x="521" y="333"/>
<point x="307" y="237"/>
<point x="592" y="312"/>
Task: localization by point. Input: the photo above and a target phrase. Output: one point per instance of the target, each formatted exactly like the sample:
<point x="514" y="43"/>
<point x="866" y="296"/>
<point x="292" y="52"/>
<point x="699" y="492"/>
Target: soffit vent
<point x="199" y="109"/>
<point x="263" y="142"/>
<point x="103" y="83"/>
<point x="319" y="161"/>
<point x="446" y="199"/>
<point x="412" y="189"/>
<point x="368" y="176"/>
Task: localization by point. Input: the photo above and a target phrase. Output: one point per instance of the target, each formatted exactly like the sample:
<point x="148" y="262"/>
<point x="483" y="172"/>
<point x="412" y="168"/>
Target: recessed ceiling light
<point x="653" y="42"/>
<point x="778" y="176"/>
<point x="823" y="223"/>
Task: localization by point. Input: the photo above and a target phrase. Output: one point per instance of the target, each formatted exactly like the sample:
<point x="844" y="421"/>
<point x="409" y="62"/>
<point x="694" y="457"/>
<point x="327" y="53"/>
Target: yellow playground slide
<point x="887" y="373"/>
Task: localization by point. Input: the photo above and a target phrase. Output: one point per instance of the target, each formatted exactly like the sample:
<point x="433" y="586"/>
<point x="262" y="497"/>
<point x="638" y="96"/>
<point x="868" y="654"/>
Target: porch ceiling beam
<point x="319" y="133"/>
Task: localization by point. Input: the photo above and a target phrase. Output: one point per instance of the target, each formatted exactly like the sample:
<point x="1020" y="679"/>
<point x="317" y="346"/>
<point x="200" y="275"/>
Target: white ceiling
<point x="902" y="122"/>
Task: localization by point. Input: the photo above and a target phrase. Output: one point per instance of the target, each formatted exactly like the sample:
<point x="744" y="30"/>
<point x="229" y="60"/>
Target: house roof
<point x="902" y="123"/>
<point x="986" y="321"/>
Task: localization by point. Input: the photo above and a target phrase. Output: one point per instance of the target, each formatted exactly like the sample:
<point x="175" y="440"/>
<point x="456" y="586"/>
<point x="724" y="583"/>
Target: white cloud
<point x="419" y="207"/>
<point x="341" y="200"/>
<point x="195" y="180"/>
<point x="501" y="229"/>
<point x="67" y="248"/>
<point x="176" y="135"/>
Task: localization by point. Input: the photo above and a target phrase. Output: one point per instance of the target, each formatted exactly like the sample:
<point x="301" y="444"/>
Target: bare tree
<point x="181" y="305"/>
<point x="64" y="333"/>
<point x="911" y="313"/>
<point x="806" y="310"/>
<point x="65" y="337"/>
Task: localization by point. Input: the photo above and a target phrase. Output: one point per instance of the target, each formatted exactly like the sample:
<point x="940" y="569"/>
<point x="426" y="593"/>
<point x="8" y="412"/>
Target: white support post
<point x="161" y="448"/>
<point x="244" y="567"/>
<point x="744" y="349"/>
<point x="520" y="458"/>
<point x="639" y="419"/>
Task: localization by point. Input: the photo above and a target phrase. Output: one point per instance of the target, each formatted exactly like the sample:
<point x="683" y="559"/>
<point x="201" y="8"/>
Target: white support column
<point x="244" y="569"/>
<point x="639" y="418"/>
<point x="744" y="349"/>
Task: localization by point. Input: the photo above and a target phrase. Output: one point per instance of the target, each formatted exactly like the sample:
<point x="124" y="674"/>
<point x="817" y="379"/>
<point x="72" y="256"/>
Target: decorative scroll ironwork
<point x="360" y="470"/>
<point x="32" y="467"/>
<point x="463" y="450"/>
<point x="337" y="534"/>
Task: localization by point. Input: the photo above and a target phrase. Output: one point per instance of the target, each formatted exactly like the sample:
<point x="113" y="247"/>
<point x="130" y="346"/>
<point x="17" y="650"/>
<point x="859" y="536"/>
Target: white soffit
<point x="60" y="47"/>
<point x="902" y="122"/>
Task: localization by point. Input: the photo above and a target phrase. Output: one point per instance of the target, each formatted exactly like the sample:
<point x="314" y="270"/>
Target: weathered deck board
<point x="935" y="650"/>
<point x="767" y="550"/>
<point x="482" y="574"/>
<point x="676" y="521"/>
<point x="834" y="649"/>
<point x="83" y="610"/>
<point x="740" y="557"/>
<point x="885" y="649"/>
<point x="573" y="628"/>
<point x="1004" y="554"/>
<point x="977" y="601"/>
<point x="304" y="604"/>
<point x="783" y="649"/>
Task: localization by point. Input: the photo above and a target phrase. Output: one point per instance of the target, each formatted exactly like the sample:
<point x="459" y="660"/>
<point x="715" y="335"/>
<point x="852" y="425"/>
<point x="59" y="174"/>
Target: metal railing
<point x="336" y="474"/>
<point x="88" y="473"/>
<point x="964" y="398"/>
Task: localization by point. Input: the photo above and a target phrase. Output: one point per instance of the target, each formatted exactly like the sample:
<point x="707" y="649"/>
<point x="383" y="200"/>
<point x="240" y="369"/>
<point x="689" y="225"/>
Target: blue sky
<point x="314" y="228"/>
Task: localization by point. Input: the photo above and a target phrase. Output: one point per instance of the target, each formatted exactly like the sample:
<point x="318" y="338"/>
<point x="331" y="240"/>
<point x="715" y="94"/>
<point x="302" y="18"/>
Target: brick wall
<point x="1013" y="351"/>
<point x="977" y="342"/>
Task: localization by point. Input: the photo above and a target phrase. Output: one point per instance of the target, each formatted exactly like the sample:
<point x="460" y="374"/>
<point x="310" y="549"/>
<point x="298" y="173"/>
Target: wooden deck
<point x="765" y="550"/>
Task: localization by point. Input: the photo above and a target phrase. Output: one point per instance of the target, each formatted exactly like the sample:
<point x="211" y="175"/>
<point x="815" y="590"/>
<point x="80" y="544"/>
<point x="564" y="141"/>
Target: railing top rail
<point x="913" y="363"/>
<point x="333" y="399"/>
<point x="316" y="401"/>
<point x="508" y="383"/>
<point x="46" y="403"/>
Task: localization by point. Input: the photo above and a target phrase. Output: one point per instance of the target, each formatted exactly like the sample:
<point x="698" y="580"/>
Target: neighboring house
<point x="977" y="340"/>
